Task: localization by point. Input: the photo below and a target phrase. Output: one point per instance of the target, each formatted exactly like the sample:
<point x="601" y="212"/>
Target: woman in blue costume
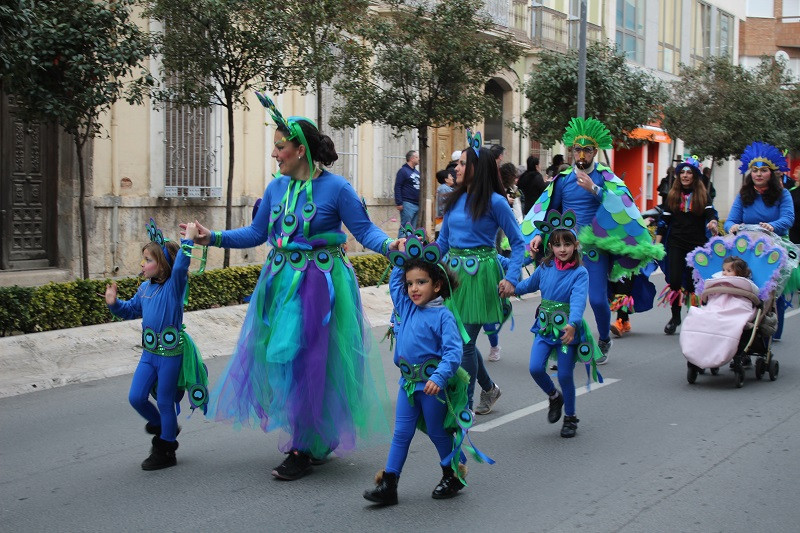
<point x="170" y="361"/>
<point x="688" y="215"/>
<point x="473" y="213"/>
<point x="613" y="236"/>
<point x="560" y="330"/>
<point x="762" y="200"/>
<point x="302" y="364"/>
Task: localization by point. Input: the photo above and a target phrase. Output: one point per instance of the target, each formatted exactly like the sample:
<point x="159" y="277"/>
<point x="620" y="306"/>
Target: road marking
<point x="541" y="406"/>
<point x="791" y="313"/>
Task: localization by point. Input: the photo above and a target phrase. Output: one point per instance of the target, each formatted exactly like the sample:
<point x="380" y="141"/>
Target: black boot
<point x="156" y="430"/>
<point x="162" y="455"/>
<point x="570" y="426"/>
<point x="296" y="465"/>
<point x="385" y="492"/>
<point x="448" y="486"/>
<point x="554" y="413"/>
<point x="674" y="322"/>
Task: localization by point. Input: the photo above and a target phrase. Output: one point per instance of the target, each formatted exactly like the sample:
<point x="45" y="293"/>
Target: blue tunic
<point x="780" y="215"/>
<point x="567" y="194"/>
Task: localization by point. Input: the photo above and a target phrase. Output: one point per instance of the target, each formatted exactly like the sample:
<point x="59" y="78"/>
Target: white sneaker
<point x="494" y="353"/>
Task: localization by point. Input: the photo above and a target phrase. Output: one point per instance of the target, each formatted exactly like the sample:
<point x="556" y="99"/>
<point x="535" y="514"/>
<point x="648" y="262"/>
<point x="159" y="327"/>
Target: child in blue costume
<point x="302" y="364"/>
<point x="473" y="213"/>
<point x="560" y="327"/>
<point x="432" y="386"/>
<point x="170" y="360"/>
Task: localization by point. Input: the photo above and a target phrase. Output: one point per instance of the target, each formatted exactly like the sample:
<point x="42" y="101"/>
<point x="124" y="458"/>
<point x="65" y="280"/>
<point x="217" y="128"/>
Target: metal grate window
<point x="345" y="140"/>
<point x="191" y="149"/>
<point x="393" y="148"/>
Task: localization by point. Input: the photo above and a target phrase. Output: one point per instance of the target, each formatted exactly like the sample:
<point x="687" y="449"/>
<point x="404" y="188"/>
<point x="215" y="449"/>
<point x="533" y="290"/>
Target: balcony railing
<point x="549" y="28"/>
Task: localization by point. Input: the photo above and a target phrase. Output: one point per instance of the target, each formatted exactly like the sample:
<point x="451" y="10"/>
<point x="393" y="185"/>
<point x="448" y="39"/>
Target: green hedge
<point x="81" y="302"/>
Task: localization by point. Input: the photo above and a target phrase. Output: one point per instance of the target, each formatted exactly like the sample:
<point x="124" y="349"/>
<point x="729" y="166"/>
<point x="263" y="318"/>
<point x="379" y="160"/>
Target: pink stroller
<point x="738" y="318"/>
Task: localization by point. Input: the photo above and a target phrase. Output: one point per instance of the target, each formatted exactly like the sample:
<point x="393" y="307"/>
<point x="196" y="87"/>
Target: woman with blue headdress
<point x="763" y="201"/>
<point x="473" y="213"/>
<point x="688" y="215"/>
<point x="302" y="364"/>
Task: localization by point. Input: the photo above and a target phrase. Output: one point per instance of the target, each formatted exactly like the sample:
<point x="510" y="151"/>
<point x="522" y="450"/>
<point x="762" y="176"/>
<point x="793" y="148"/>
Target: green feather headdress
<point x="587" y="132"/>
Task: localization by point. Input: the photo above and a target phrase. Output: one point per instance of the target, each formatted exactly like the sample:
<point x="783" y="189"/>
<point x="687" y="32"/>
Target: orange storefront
<point x="638" y="166"/>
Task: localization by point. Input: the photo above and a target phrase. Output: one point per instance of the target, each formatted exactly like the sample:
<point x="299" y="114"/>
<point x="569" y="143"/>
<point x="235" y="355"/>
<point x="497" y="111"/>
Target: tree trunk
<point x="226" y="260"/>
<point x="79" y="144"/>
<point x="425" y="219"/>
<point x="318" y="83"/>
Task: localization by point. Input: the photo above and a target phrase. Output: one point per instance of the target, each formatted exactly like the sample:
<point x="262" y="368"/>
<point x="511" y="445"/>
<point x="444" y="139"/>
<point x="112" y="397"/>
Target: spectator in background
<point x="497" y="152"/>
<point x="531" y="183"/>
<point x="446" y="181"/>
<point x="406" y="190"/>
<point x="712" y="192"/>
<point x="552" y="170"/>
<point x="666" y="185"/>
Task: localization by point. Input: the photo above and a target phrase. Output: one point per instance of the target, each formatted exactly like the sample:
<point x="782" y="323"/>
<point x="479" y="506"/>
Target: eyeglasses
<point x="583" y="149"/>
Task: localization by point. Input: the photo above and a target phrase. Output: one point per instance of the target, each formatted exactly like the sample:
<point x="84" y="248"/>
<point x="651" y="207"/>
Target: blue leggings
<point x="492" y="330"/>
<point x="598" y="293"/>
<point x="780" y="308"/>
<point x="472" y="362"/>
<point x="405" y="425"/>
<point x="164" y="369"/>
<point x="540" y="351"/>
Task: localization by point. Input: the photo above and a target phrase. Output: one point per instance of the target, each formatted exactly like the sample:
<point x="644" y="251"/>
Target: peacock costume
<point x="303" y="363"/>
<point x="429" y="347"/>
<point x="614" y="238"/>
<point x="171" y="363"/>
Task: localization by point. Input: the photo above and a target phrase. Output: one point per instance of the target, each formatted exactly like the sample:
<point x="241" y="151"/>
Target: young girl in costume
<point x="170" y="360"/>
<point x="560" y="328"/>
<point x="472" y="215"/>
<point x="302" y="364"/>
<point x="433" y="389"/>
<point x="688" y="215"/>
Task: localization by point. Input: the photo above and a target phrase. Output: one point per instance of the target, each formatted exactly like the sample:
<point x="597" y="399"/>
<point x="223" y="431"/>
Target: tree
<point x="319" y="46"/>
<point x="423" y="68"/>
<point x="15" y="17"/>
<point x="622" y="97"/>
<point x="78" y="57"/>
<point x="718" y="108"/>
<point x="215" y="52"/>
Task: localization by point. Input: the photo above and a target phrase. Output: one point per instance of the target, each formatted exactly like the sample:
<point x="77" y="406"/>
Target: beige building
<point x="171" y="163"/>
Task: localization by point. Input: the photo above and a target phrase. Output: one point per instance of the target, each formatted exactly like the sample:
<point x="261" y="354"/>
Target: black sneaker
<point x="554" y="413"/>
<point x="671" y="326"/>
<point x="296" y="465"/>
<point x="570" y="427"/>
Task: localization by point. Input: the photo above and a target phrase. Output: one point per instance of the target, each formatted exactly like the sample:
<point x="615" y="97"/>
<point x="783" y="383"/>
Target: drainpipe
<point x="114" y="192"/>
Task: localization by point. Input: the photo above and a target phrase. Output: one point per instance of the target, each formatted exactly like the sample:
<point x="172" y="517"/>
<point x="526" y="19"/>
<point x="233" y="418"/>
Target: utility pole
<point x="582" y="63"/>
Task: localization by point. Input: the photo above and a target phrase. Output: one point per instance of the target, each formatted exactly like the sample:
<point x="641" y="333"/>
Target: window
<point x="701" y="32"/>
<point x="669" y="36"/>
<point x="791" y="11"/>
<point x="630" y="29"/>
<point x="725" y="35"/>
<point x="760" y="8"/>
<point x="390" y="148"/>
<point x="344" y="140"/>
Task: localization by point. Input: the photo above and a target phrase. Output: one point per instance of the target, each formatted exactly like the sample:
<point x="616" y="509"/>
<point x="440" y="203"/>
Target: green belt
<point x="300" y="259"/>
<point x="414" y="374"/>
<point x="470" y="259"/>
<point x="552" y="317"/>
<point x="168" y="343"/>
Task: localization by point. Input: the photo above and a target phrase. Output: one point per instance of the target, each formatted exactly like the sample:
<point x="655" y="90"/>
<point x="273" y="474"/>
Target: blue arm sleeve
<point x="506" y="220"/>
<point x="452" y="350"/>
<point x="354" y="215"/>
<point x="180" y="270"/>
<point x="255" y="233"/>
<point x="735" y="214"/>
<point x="531" y="284"/>
<point x="397" y="289"/>
<point x="128" y="309"/>
<point x="577" y="297"/>
<point x="444" y="235"/>
<point x="555" y="200"/>
<point x="786" y="217"/>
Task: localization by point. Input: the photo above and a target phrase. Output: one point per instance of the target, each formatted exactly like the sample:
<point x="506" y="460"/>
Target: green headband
<point x="292" y="125"/>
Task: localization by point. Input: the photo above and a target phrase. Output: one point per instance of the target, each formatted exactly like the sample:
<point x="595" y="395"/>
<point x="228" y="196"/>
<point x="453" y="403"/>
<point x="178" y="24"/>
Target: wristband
<point x="217" y="241"/>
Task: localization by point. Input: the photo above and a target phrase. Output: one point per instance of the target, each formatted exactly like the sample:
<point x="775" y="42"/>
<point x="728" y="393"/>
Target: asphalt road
<point x="653" y="453"/>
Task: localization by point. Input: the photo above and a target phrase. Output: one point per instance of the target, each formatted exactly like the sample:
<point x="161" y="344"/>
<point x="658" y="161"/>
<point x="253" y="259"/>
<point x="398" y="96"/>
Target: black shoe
<point x="162" y="455"/>
<point x="296" y="465"/>
<point x="554" y="413"/>
<point x="671" y="326"/>
<point x="448" y="486"/>
<point x="385" y="493"/>
<point x="570" y="426"/>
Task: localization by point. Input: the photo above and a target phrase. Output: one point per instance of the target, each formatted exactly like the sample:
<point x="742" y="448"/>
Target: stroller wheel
<point x="760" y="367"/>
<point x="691" y="374"/>
<point x="774" y="368"/>
<point x="739" y="379"/>
<point x="715" y="371"/>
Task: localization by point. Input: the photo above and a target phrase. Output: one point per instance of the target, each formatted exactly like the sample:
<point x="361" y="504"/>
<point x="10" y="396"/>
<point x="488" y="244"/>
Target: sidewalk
<point x="39" y="361"/>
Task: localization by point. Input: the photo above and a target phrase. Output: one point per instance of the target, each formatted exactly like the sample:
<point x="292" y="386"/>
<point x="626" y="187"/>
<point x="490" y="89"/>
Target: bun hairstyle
<point x="164" y="266"/>
<point x="322" y="148"/>
<point x="562" y="236"/>
<point x="438" y="273"/>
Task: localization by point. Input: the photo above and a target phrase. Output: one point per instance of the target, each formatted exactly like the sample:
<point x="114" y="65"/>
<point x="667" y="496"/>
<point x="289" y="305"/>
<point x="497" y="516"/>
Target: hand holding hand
<point x="431" y="388"/>
<point x="203" y="235"/>
<point x="536" y="243"/>
<point x="505" y="288"/>
<point x="398" y="245"/>
<point x="567" y="334"/>
<point x="111" y="293"/>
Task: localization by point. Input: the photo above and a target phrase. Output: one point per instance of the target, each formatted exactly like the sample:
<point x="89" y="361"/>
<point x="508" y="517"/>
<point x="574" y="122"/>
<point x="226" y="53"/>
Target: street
<point x="652" y="453"/>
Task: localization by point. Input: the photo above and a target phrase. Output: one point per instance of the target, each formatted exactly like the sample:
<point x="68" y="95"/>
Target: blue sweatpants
<point x="405" y="425"/>
<point x="540" y="351"/>
<point x="164" y="369"/>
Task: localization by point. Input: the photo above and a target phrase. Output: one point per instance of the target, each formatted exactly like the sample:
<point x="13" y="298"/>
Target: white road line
<point x="791" y="313"/>
<point x="541" y="406"/>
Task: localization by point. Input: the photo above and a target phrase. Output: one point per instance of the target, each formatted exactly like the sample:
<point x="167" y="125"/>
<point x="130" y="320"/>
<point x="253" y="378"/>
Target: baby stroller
<point x="738" y="317"/>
